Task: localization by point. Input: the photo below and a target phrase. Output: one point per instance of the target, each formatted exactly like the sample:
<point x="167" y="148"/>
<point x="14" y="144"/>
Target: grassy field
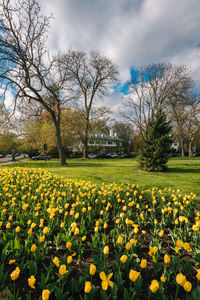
<point x="183" y="173"/>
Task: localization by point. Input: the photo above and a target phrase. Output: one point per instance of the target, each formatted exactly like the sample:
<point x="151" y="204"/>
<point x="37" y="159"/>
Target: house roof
<point x="105" y="137"/>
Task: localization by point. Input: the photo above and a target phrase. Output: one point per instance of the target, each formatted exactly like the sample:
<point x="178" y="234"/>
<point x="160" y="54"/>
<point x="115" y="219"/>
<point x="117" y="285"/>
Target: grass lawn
<point x="183" y="173"/>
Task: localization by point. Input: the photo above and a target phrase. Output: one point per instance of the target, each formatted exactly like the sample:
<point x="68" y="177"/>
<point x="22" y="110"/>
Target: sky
<point x="131" y="32"/>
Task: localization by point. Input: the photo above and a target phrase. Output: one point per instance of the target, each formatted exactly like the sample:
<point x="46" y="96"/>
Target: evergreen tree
<point x="155" y="150"/>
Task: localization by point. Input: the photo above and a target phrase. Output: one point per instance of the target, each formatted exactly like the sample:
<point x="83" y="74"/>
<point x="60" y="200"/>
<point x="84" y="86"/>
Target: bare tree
<point x="158" y="86"/>
<point x="91" y="78"/>
<point x="125" y="132"/>
<point x="25" y="65"/>
<point x="192" y="122"/>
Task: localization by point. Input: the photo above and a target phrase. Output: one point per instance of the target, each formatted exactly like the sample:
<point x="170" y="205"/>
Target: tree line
<point x="44" y="84"/>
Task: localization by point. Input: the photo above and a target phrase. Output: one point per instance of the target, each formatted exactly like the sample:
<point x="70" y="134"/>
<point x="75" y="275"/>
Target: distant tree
<point x="154" y="87"/>
<point x="25" y="65"/>
<point x="8" y="142"/>
<point x="155" y="149"/>
<point x="185" y="117"/>
<point x="191" y="123"/>
<point x="36" y="133"/>
<point x="91" y="77"/>
<point x="124" y="132"/>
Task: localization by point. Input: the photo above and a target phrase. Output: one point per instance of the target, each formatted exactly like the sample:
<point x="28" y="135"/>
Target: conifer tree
<point x="155" y="150"/>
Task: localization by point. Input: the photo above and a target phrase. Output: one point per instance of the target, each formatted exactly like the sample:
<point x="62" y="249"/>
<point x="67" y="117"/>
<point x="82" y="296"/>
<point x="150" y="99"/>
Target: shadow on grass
<point x="55" y="164"/>
<point x="183" y="170"/>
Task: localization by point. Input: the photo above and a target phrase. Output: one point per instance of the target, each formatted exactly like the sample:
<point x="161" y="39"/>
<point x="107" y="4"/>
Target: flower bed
<point x="63" y="239"/>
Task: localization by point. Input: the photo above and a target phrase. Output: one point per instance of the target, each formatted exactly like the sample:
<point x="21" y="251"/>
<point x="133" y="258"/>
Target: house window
<point x="109" y="143"/>
<point x="91" y="142"/>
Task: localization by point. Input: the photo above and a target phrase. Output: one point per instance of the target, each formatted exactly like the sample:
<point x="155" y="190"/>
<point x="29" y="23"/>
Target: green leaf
<point x="187" y="266"/>
<point x="196" y="293"/>
<point x="104" y="295"/>
<point x="32" y="267"/>
<point x="126" y="294"/>
<point x="17" y="244"/>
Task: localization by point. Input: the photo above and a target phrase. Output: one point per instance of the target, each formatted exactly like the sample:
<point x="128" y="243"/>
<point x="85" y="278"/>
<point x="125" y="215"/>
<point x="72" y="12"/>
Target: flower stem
<point x="177" y="288"/>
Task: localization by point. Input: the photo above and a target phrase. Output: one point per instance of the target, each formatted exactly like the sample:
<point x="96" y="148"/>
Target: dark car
<point x="101" y="155"/>
<point x="127" y="155"/>
<point x="41" y="157"/>
<point x="196" y="154"/>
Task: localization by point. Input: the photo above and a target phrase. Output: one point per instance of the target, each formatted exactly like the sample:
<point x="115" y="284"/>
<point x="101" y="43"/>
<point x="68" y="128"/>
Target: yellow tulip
<point x="17" y="229"/>
<point x="69" y="259"/>
<point x="42" y="238"/>
<point x="198" y="274"/>
<point x="87" y="287"/>
<point x="120" y="240"/>
<point x="187" y="286"/>
<point x="166" y="259"/>
<point x="45" y="294"/>
<point x="143" y="263"/>
<point x="154" y="286"/>
<point x="123" y="258"/>
<point x="68" y="245"/>
<point x="15" y="274"/>
<point x="162" y="278"/>
<point x="92" y="269"/>
<point x="56" y="261"/>
<point x="133" y="275"/>
<point x="31" y="281"/>
<point x="106" y="250"/>
<point x="180" y="279"/>
<point x="62" y="270"/>
<point x="33" y="248"/>
<point x="106" y="282"/>
<point x="11" y="261"/>
<point x="45" y="230"/>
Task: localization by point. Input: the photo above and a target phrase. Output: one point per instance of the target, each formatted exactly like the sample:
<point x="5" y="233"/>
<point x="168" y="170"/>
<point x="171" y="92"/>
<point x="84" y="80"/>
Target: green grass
<point x="183" y="173"/>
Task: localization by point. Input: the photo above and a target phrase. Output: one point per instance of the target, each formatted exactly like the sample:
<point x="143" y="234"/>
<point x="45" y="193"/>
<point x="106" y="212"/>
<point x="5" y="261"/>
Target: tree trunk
<point x="85" y="146"/>
<point x="190" y="149"/>
<point x="85" y="143"/>
<point x="85" y="151"/>
<point x="182" y="146"/>
<point x="60" y="146"/>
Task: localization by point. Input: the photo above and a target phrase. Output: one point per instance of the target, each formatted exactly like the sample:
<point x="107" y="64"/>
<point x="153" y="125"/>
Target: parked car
<point x="101" y="155"/>
<point x="9" y="155"/>
<point x="41" y="157"/>
<point x="127" y="155"/>
<point x="196" y="154"/>
<point x="112" y="155"/>
<point x="92" y="155"/>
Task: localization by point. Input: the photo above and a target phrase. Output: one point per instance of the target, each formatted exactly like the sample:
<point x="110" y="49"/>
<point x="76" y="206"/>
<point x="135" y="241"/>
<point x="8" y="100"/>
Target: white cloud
<point x="130" y="32"/>
<point x="9" y="99"/>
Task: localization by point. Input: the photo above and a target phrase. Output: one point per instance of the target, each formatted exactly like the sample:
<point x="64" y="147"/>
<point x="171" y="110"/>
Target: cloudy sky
<point x="130" y="32"/>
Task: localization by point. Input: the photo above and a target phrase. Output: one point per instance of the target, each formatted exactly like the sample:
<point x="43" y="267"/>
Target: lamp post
<point x="45" y="152"/>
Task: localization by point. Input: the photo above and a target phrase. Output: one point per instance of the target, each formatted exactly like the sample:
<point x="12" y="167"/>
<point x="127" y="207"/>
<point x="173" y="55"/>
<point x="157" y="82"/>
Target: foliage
<point x="155" y="150"/>
<point x="36" y="133"/>
<point x="69" y="238"/>
<point x="9" y="141"/>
